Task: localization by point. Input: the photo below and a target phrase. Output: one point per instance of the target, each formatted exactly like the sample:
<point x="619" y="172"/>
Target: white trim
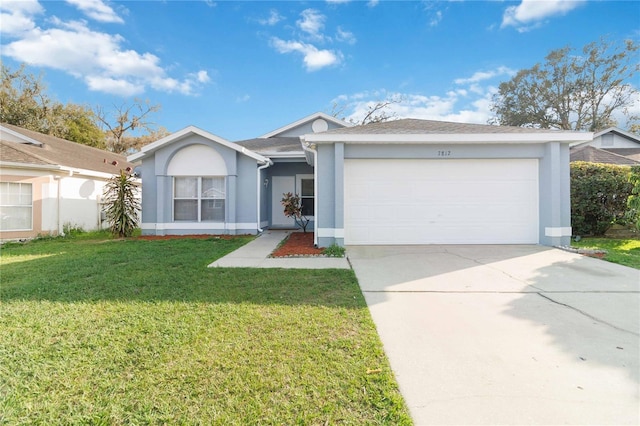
<point x="180" y="134"/>
<point x="55" y="167"/>
<point x="291" y="154"/>
<point x="218" y="226"/>
<point x="619" y="131"/>
<point x="306" y="119"/>
<point x="73" y="170"/>
<point x="30" y="206"/>
<point x="331" y="232"/>
<point x="299" y="191"/>
<point x="19" y="135"/>
<point x="259" y="192"/>
<point x="557" y="231"/>
<point x="28" y="166"/>
<point x="453" y="138"/>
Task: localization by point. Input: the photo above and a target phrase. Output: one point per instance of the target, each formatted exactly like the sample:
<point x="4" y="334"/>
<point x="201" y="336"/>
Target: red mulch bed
<point x="298" y="244"/>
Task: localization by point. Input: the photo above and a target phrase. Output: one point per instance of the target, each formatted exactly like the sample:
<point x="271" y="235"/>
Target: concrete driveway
<point x="506" y="334"/>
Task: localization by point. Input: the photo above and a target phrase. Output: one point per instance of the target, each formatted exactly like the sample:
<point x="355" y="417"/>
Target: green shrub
<point x="599" y="194"/>
<point x="334" y="250"/>
<point x="633" y="202"/>
<point x="72" y="229"/>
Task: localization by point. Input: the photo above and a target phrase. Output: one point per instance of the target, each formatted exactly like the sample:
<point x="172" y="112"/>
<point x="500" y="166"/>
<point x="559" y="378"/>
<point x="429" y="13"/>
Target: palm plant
<point x="122" y="204"/>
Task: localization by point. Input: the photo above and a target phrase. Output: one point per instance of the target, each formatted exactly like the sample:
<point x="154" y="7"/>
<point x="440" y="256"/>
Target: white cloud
<point x="97" y="58"/>
<point x="98" y="10"/>
<point x="530" y="14"/>
<point x="17" y="17"/>
<point x="345" y="36"/>
<point x="314" y="58"/>
<point x="243" y="98"/>
<point x="202" y="77"/>
<point x="469" y="101"/>
<point x="433" y="11"/>
<point x="311" y="26"/>
<point x="453" y="106"/>
<point x="312" y="23"/>
<point x="112" y="85"/>
<point x="486" y="75"/>
<point x="273" y="19"/>
<point x="373" y="3"/>
<point x="435" y="19"/>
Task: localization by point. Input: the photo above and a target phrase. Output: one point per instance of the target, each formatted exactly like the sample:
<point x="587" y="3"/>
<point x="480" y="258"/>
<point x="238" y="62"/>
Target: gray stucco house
<point x="612" y="145"/>
<point x="397" y="182"/>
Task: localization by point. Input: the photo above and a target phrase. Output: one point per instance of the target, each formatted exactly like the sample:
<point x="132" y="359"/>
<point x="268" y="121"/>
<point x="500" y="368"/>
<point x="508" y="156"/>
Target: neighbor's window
<point x="16" y="206"/>
<point x="198" y="199"/>
<point x="307" y="196"/>
<point x="607" y="140"/>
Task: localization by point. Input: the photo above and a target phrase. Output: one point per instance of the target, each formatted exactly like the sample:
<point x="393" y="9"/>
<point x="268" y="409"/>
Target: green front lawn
<point x="624" y="252"/>
<point x="139" y="332"/>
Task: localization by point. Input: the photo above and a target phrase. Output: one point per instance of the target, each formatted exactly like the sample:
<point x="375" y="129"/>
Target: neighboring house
<point x="397" y="182"/>
<point x="47" y="183"/>
<point x="613" y="140"/>
<point x="591" y="154"/>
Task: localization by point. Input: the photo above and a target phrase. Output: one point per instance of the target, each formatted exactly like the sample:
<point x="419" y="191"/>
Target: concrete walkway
<point x="256" y="255"/>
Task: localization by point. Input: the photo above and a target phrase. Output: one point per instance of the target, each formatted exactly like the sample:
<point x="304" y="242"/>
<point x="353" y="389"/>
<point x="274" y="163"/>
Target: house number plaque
<point x="444" y="153"/>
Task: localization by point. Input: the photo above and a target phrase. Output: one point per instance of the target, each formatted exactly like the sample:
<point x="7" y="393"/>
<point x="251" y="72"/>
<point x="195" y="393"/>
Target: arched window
<point x="199" y="184"/>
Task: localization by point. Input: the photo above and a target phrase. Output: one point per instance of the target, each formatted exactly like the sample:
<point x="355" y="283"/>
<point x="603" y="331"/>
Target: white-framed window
<point x="607" y="140"/>
<point x="16" y="206"/>
<point x="198" y="199"/>
<point x="305" y="188"/>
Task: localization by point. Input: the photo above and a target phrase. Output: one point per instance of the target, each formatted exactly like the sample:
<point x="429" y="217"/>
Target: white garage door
<point x="441" y="201"/>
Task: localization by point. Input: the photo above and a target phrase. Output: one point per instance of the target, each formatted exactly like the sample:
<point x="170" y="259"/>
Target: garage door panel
<point x="441" y="201"/>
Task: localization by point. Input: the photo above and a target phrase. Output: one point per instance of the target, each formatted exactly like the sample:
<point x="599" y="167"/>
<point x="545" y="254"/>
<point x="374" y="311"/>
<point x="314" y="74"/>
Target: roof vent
<point x="319" y="125"/>
<point x="114" y="162"/>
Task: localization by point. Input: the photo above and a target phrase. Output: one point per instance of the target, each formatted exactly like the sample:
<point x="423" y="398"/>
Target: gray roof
<point x="633" y="153"/>
<point x="60" y="152"/>
<point x="266" y="146"/>
<point x="416" y="126"/>
<point x="592" y="154"/>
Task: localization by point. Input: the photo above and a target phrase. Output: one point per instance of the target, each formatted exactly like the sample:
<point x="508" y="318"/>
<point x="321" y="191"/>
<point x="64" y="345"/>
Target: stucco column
<point x="339" y="193"/>
<point x="230" y="217"/>
<point x="164" y="187"/>
<point x="555" y="214"/>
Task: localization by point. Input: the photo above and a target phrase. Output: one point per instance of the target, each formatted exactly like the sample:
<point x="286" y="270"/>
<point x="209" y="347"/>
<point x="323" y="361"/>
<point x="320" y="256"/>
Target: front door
<point x="281" y="185"/>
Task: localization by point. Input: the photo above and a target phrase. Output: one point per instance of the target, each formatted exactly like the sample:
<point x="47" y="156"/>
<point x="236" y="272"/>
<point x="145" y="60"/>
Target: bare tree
<point x="377" y="111"/>
<point x="124" y="119"/>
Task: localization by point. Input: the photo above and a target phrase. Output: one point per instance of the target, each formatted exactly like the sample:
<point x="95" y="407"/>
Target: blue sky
<point x="242" y="69"/>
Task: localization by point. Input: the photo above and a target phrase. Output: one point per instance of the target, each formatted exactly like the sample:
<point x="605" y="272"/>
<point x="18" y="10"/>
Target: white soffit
<point x="452" y="138"/>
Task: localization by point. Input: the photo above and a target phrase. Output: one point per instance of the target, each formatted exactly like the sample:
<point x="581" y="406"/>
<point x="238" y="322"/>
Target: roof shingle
<point x="416" y="126"/>
<point x="266" y="146"/>
<point x="592" y="154"/>
<point x="61" y="152"/>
